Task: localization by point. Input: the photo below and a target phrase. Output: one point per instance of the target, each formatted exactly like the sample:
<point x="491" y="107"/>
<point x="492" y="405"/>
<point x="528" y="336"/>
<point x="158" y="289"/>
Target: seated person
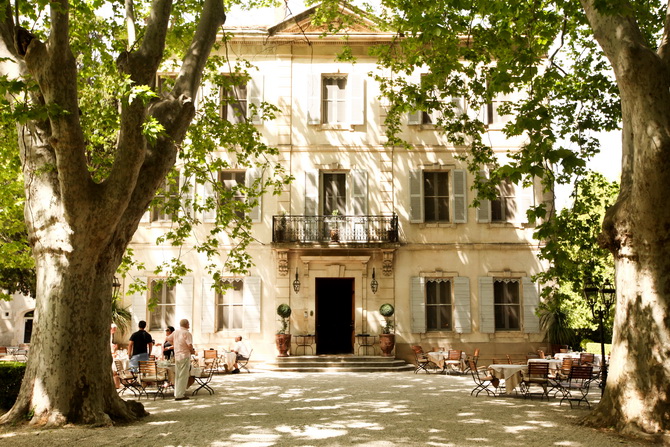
<point x="168" y="349"/>
<point x="242" y="351"/>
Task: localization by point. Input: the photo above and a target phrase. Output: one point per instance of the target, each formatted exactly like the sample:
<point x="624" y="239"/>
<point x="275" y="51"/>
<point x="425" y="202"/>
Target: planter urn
<point x="283" y="342"/>
<point x="386" y="344"/>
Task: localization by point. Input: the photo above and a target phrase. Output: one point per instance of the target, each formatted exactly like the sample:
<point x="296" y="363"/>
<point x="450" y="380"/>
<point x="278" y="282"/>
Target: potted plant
<point x="334" y="227"/>
<point x="280" y="229"/>
<point x="387" y="337"/>
<point x="282" y="339"/>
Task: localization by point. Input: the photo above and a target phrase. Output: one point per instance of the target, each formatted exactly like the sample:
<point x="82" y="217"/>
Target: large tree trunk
<point x="79" y="229"/>
<point x="637" y="231"/>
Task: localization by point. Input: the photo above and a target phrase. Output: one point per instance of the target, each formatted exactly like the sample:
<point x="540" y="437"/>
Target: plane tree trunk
<point x="79" y="229"/>
<point x="637" y="231"/>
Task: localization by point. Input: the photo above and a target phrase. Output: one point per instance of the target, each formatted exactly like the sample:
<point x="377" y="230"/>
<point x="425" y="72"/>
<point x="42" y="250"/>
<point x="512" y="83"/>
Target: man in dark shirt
<point x="140" y="346"/>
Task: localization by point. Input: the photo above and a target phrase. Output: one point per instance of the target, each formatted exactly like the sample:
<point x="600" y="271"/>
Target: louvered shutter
<point x="356" y="99"/>
<point x="209" y="216"/>
<point x="311" y="192"/>
<point x="460" y="203"/>
<point x="414" y="118"/>
<point x="462" y="314"/>
<point x="251" y="293"/>
<point x="359" y="193"/>
<point x="416" y="196"/>
<point x="487" y="323"/>
<point x="523" y="200"/>
<point x="207" y="307"/>
<point x="184" y="301"/>
<point x="418" y="304"/>
<point x="484" y="209"/>
<point x="138" y="306"/>
<point x="531" y="322"/>
<point x="255" y="90"/>
<point x="250" y="177"/>
<point x="314" y="99"/>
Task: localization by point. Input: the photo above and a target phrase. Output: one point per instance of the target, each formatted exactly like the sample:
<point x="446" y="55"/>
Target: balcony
<point x="335" y="229"/>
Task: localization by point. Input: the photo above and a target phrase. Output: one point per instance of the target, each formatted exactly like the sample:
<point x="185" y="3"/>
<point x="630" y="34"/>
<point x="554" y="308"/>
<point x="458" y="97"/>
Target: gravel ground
<point x="334" y="409"/>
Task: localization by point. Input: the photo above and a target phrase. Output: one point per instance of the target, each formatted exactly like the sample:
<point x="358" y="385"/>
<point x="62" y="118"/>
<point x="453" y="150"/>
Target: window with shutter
<point x="165" y="205"/>
<point x="163" y="313"/>
<point x="234" y="99"/>
<point x="439" y="306"/>
<point x="438" y="196"/>
<point x="507" y="304"/>
<point x="230" y="306"/>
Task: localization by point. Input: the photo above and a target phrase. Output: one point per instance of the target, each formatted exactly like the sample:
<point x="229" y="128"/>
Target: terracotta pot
<point x="283" y="342"/>
<point x="386" y="344"/>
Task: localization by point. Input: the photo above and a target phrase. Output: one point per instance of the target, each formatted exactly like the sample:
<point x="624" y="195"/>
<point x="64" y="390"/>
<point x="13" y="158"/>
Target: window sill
<point x="422" y="127"/>
<point x="336" y="127"/>
<point x="437" y="225"/>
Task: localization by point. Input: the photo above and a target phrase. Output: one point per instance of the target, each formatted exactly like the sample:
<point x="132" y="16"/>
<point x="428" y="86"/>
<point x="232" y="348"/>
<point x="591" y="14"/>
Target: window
<point x="344" y="192"/>
<point x="438" y="306"/>
<point x="507" y="304"/>
<point x="438" y="196"/>
<point x="234" y="103"/>
<point x="166" y="203"/>
<point x="503" y="208"/>
<point x="238" y="309"/>
<point x="163" y="313"/>
<point x="232" y="181"/>
<point x="334" y="193"/>
<point x="334" y="99"/>
<point x="165" y="83"/>
<point x="230" y="307"/>
<point x="494" y="116"/>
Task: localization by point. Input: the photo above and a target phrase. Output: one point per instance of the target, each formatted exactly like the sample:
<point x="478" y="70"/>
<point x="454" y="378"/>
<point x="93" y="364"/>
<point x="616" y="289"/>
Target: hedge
<point x="11" y="375"/>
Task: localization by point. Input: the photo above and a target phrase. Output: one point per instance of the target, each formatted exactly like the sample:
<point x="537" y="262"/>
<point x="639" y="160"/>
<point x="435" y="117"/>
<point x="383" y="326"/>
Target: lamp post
<point x="116" y="287"/>
<point x="600" y="300"/>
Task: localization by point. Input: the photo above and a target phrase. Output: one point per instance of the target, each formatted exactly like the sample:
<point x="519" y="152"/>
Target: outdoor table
<point x="510" y="373"/>
<point x="554" y="365"/>
<point x="440" y="358"/>
<point x="366" y="341"/>
<point x="304" y="341"/>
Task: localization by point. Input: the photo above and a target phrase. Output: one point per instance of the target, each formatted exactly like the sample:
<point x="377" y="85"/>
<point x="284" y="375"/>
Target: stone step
<point x="332" y="363"/>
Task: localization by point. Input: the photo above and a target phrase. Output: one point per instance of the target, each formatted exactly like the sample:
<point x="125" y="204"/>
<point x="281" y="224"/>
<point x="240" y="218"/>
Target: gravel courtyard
<point x="337" y="409"/>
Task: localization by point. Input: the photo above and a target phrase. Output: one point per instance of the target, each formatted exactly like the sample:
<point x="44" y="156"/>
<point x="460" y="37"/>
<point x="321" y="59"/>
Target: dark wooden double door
<point x="334" y="316"/>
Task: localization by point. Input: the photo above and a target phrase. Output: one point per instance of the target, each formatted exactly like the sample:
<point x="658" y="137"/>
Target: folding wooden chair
<point x="483" y="383"/>
<point x="538" y="374"/>
<point x="579" y="380"/>
<point x="203" y="379"/>
<point x="211" y="359"/>
<point x="243" y="361"/>
<point x="150" y="377"/>
<point x="422" y="361"/>
<point x="454" y="361"/>
<point x="127" y="379"/>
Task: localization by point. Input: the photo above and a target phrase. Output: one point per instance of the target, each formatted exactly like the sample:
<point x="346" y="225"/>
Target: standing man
<point x="182" y="341"/>
<point x="140" y="346"/>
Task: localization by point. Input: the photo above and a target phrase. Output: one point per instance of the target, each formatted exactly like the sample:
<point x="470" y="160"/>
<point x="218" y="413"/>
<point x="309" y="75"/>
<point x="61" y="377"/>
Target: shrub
<point x="11" y="375"/>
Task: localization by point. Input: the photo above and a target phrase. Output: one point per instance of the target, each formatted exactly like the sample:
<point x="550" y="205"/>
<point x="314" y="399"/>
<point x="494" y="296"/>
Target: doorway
<point x="334" y="315"/>
<point x="28" y="326"/>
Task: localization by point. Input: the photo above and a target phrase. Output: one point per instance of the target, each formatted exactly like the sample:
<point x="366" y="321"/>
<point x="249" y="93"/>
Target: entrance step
<point x="338" y="363"/>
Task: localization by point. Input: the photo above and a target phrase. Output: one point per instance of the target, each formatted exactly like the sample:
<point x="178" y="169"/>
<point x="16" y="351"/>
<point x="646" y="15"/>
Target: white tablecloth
<point x="510" y="373"/>
<point x="554" y="365"/>
<point x="597" y="360"/>
<point x="440" y="359"/>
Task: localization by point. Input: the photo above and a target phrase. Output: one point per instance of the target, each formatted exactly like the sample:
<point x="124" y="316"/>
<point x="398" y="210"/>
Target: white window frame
<point x="353" y="101"/>
<point x="251" y="294"/>
<point x="166" y="193"/>
<point x="229" y="307"/>
<point x="162" y="305"/>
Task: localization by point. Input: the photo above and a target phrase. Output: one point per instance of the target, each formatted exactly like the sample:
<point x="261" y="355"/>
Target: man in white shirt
<point x="242" y="351"/>
<point x="182" y="340"/>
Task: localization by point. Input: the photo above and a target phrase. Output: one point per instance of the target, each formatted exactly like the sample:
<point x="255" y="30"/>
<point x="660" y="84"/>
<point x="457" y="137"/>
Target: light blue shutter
<point x="531" y="322"/>
<point x="418" y="304"/>
<point x="207" y="307"/>
<point x="487" y="322"/>
<point x="311" y="192"/>
<point x="416" y="196"/>
<point x="523" y="200"/>
<point x="184" y="301"/>
<point x="314" y="99"/>
<point x="462" y="314"/>
<point x="356" y="99"/>
<point x="209" y="216"/>
<point x="251" y="292"/>
<point x="484" y="209"/>
<point x="255" y="90"/>
<point x="250" y="177"/>
<point x="359" y="193"/>
<point x="414" y="118"/>
<point x="138" y="306"/>
<point x="460" y="203"/>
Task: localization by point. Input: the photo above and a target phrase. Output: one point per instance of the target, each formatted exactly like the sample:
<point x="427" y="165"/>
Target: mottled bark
<point x="637" y="231"/>
<point x="79" y="229"/>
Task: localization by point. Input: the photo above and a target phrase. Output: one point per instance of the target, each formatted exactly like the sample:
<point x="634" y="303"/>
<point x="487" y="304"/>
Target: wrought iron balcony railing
<point x="342" y="229"/>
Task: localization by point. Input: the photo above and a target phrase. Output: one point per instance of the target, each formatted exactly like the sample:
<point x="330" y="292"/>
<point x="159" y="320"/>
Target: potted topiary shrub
<point x="282" y="339"/>
<point x="387" y="337"/>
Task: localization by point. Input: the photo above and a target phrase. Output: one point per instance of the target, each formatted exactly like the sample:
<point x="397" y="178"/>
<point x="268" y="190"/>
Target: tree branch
<point x="188" y="81"/>
<point x="665" y="39"/>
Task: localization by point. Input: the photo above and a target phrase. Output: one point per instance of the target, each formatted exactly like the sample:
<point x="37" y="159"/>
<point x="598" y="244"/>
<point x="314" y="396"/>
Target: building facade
<point x="362" y="224"/>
